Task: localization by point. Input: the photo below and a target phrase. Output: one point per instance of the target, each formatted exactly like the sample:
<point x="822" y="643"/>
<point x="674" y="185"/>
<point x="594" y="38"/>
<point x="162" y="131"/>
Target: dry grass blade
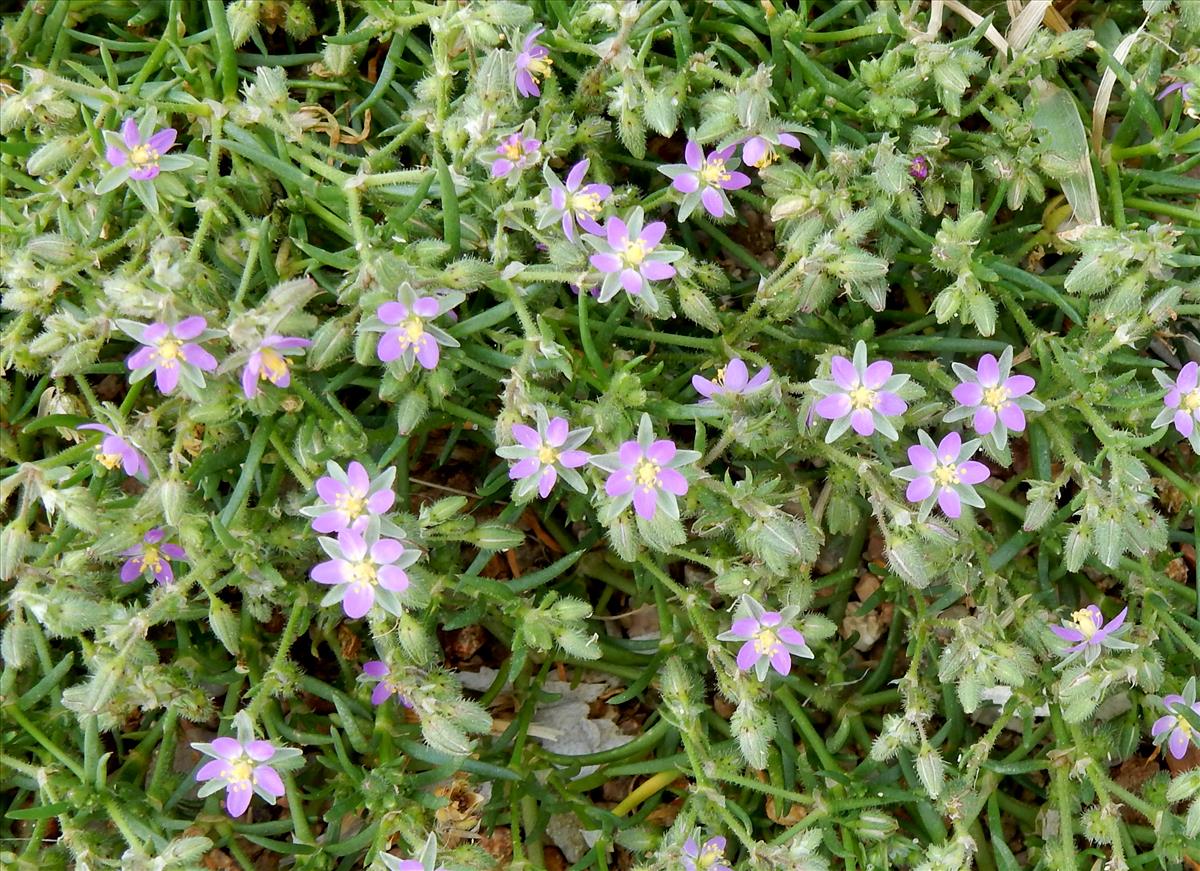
<point x="992" y="34"/>
<point x="1107" y="82"/>
<point x="1025" y="24"/>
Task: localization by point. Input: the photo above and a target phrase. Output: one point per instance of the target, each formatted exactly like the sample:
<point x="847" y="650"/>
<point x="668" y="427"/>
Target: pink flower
<point x="646" y="473"/>
<point x="759" y="151"/>
<point x="629" y="256"/>
<point x="574" y="201"/>
<point x="731" y="380"/>
<point x="769" y="641"/>
<point x="1181" y="402"/>
<point x="151" y="557"/>
<point x="169" y="352"/>
<point x="994" y="400"/>
<point x="860" y="396"/>
<point x="516" y="152"/>
<point x="1174" y="729"/>
<point x="944" y="473"/>
<point x="533" y="64"/>
<point x="239" y="767"/>
<point x="114" y="451"/>
<point x="704" y="180"/>
<point x="140" y="154"/>
<point x="351" y="498"/>
<point x="1087" y="633"/>
<point x="409" y="334"/>
<point x="710" y="857"/>
<point x="385" y="688"/>
<point x="269" y="363"/>
<point x="919" y="168"/>
<point x="363" y="570"/>
<point x="544" y="454"/>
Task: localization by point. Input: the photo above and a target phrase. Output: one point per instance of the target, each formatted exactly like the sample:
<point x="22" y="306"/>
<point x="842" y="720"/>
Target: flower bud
<point x="411" y="411"/>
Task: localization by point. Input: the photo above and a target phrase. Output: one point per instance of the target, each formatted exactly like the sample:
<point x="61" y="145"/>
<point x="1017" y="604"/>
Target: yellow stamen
<point x="588" y="203"/>
<point x="547" y="455"/>
<point x="168" y="350"/>
<point x="274" y="366"/>
<point x="946" y="474"/>
<point x="539" y="67"/>
<point x="143" y="156"/>
<point x="108" y="461"/>
<point x="634" y="253"/>
<point x="151" y="559"/>
<point x="719" y="378"/>
<point x="1183" y="725"/>
<point x="765" y="641"/>
<point x="646" y="474"/>
<point x="350" y="504"/>
<point x="995" y="396"/>
<point x="1190" y="401"/>
<point x="713" y="172"/>
<point x="768" y="157"/>
<point x="241" y="771"/>
<point x="862" y="397"/>
<point x="414" y="329"/>
<point x="513" y="150"/>
<point x="1085" y="622"/>
<point x="363" y="573"/>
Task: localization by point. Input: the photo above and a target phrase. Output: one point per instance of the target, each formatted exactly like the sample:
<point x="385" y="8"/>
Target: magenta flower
<point x="919" y="167"/>
<point x="532" y="64"/>
<point x="759" y="151"/>
<point x="385" y="688"/>
<point x="704" y="180"/>
<point x="995" y="400"/>
<point x="139" y="154"/>
<point x="1174" y="729"/>
<point x="629" y="257"/>
<point x="351" y="498"/>
<point x="544" y="454"/>
<point x="239" y="767"/>
<point x="730" y="380"/>
<point x="646" y="473"/>
<point x="169" y="352"/>
<point x="710" y="857"/>
<point x="114" y="451"/>
<point x="409" y="334"/>
<point x="1184" y="89"/>
<point x="573" y="202"/>
<point x="363" y="570"/>
<point x="151" y="557"/>
<point x="1181" y="403"/>
<point x="1087" y="633"/>
<point x="860" y="396"/>
<point x="945" y="473"/>
<point x="768" y="639"/>
<point x="516" y="151"/>
<point x="269" y="363"/>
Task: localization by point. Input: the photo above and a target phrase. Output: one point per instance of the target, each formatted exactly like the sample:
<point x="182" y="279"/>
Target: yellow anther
<point x="108" y="461"/>
<point x="635" y="252"/>
<point x="547" y="455"/>
<point x="765" y="641"/>
<point x="1190" y="401"/>
<point x="168" y="349"/>
<point x="589" y="203"/>
<point x="414" y="329"/>
<point x="350" y="504"/>
<point x="713" y="172"/>
<point x="946" y="474"/>
<point x="995" y="396"/>
<point x="241" y="771"/>
<point x="862" y="397"/>
<point x="539" y="67"/>
<point x="1085" y="622"/>
<point x="646" y="474"/>
<point x="362" y="572"/>
<point x="274" y="366"/>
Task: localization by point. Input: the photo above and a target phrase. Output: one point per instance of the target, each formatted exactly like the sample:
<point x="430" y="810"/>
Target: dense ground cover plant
<point x="652" y="435"/>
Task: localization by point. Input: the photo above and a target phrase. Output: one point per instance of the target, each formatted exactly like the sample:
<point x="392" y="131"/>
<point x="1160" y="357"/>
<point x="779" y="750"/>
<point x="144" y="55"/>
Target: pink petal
<point x="672" y="481"/>
<point x="736" y="181"/>
<point x="619" y="483"/>
<point x="968" y="393"/>
<point x="575" y="176"/>
<point x="392" y="312"/>
<point x="329" y="489"/>
<point x="655" y="270"/>
<point x="358" y="601"/>
<point x="629" y="453"/>
<point x="1066" y="633"/>
<point x="736" y="376"/>
<point x="198" y="357"/>
<point x="426" y="307"/>
<point x="652" y="233"/>
<point x="877" y="373"/>
<point x="662" y="451"/>
<point x="889" y="404"/>
<point x="547" y="481"/>
<point x="380" y="694"/>
<point x="115" y="156"/>
<point x="1184" y="423"/>
<point x="329" y="572"/>
<point x="237" y="800"/>
<point x="644" y="502"/>
<point x="386" y="550"/>
<point x="606" y="262"/>
<point x="1019" y="385"/>
<point x="834" y="406"/>
<point x="1012" y="416"/>
<point x="1162" y="724"/>
<point x="950" y="447"/>
<point x="260" y="751"/>
<point x="985" y="420"/>
<point x="130" y="135"/>
<point x="862" y="421"/>
<point x="428" y="352"/>
<point x="754" y="150"/>
<point x="631" y="280"/>
<point x="268" y="778"/>
<point x="1178" y="743"/>
<point x="922" y="458"/>
<point x="617" y="232"/>
<point x="781" y="661"/>
<point x="1189" y="375"/>
<point x="556" y="432"/>
<point x="376" y="668"/>
<point x="189" y="328"/>
<point x="745" y="627"/>
<point x="524" y="468"/>
<point x="919" y="489"/>
<point x="212" y="768"/>
<point x="988" y="371"/>
<point x="358" y="479"/>
<point x="714" y="203"/>
<point x="381" y="501"/>
<point x="844" y="374"/>
<point x="973" y="472"/>
<point x="527" y="436"/>
<point x="226" y="748"/>
<point x="393" y="578"/>
<point x="693" y="155"/>
<point x="747" y="656"/>
<point x="166" y="379"/>
<point x="686" y="183"/>
<point x="573" y="459"/>
<point x="162" y="141"/>
<point x="949" y="502"/>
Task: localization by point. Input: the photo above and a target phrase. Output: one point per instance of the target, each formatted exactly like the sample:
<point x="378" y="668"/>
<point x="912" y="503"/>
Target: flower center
<point x="240" y="772"/>
<point x="1190" y="401"/>
<point x="168" y="352"/>
<point x="719" y="378"/>
<point x="1183" y="725"/>
<point x="766" y="642"/>
<point x="350" y="504"/>
<point x="635" y="252"/>
<point x="414" y="329"/>
<point x="646" y="474"/>
<point x="862" y="397"/>
<point x="539" y="67"/>
<point x="362" y="572"/>
<point x="1085" y="622"/>
<point x="713" y="172"/>
<point x="274" y="366"/>
<point x="108" y="461"/>
<point x="587" y="203"/>
<point x="768" y="157"/>
<point x="946" y="474"/>
<point x="151" y="559"/>
<point x="547" y="455"/>
<point x="513" y="149"/>
<point x="995" y="396"/>
<point x="143" y="156"/>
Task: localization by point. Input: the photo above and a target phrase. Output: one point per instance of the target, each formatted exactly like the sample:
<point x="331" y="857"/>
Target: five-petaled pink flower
<point x="769" y="641"/>
<point x="377" y="670"/>
<point x="710" y="857"/>
<point x="363" y="570"/>
<point x="573" y="202"/>
<point x="544" y="454"/>
<point x="533" y="64"/>
<point x="1181" y="402"/>
<point x="115" y="450"/>
<point x="704" y="179"/>
<point x="170" y="353"/>
<point x="516" y="151"/>
<point x="945" y="473"/>
<point x="629" y="256"/>
<point x="732" y="379"/>
<point x="646" y="472"/>
<point x="1174" y="729"/>
<point x="239" y="766"/>
<point x="268" y="362"/>
<point x="351" y="498"/>
<point x="151" y="557"/>
<point x="860" y="395"/>
<point x="409" y="333"/>
<point x="1087" y="633"/>
<point x="995" y="401"/>
<point x="141" y="155"/>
